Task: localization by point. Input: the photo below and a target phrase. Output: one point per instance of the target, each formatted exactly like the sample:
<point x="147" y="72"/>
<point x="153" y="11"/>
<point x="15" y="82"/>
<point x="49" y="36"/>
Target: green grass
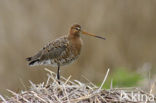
<point x="122" y="77"/>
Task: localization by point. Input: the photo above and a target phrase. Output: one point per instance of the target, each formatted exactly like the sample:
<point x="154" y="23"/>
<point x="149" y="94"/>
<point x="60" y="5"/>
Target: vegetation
<point x="72" y="92"/>
<point x="123" y="77"/>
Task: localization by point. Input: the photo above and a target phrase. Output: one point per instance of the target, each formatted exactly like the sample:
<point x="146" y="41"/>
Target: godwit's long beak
<point x="83" y="32"/>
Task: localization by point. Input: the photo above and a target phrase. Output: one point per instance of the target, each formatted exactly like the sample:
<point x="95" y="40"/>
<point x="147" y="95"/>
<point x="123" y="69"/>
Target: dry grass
<point x="70" y="92"/>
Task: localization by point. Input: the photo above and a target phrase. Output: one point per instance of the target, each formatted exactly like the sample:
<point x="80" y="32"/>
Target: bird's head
<point x="76" y="30"/>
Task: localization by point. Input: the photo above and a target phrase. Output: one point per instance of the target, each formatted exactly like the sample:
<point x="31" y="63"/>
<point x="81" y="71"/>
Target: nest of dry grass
<point x="72" y="92"/>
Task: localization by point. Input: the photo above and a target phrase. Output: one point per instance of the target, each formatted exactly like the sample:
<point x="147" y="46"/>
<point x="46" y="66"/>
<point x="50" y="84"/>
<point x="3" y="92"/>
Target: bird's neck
<point x="74" y="35"/>
<point x="76" y="43"/>
<point x="74" y="38"/>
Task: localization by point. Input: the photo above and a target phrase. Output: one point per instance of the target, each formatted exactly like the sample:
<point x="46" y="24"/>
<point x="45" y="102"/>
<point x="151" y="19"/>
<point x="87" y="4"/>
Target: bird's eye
<point x="77" y="28"/>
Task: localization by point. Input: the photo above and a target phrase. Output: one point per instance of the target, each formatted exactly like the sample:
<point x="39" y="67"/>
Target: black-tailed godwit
<point x="61" y="51"/>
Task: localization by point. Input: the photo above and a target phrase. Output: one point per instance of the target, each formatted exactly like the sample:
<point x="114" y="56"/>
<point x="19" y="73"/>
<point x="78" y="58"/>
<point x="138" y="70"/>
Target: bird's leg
<point x="58" y="73"/>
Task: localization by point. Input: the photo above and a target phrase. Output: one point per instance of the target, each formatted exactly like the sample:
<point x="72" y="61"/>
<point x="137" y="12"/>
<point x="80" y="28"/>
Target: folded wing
<point x="49" y="52"/>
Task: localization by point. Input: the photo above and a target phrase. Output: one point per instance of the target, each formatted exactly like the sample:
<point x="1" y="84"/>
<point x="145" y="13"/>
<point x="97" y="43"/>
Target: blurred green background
<point x="129" y="51"/>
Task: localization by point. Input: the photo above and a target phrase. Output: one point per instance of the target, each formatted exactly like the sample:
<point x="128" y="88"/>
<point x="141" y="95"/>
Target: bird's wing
<point x="50" y="51"/>
<point x="54" y="49"/>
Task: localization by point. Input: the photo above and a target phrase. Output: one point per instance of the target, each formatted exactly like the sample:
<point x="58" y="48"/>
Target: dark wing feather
<point x="50" y="51"/>
<point x="53" y="51"/>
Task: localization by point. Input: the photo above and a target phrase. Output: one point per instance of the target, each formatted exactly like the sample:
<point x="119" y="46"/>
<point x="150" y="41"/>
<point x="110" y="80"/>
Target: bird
<point x="62" y="51"/>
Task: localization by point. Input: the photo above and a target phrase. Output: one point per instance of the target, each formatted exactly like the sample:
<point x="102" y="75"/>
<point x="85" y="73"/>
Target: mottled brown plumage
<point x="61" y="51"/>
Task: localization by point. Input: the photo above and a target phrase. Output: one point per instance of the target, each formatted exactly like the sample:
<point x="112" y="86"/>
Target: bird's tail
<point x="29" y="58"/>
<point x="31" y="61"/>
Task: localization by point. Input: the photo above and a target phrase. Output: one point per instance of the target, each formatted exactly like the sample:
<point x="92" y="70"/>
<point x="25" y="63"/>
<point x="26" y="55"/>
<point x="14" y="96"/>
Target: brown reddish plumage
<point x="61" y="51"/>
